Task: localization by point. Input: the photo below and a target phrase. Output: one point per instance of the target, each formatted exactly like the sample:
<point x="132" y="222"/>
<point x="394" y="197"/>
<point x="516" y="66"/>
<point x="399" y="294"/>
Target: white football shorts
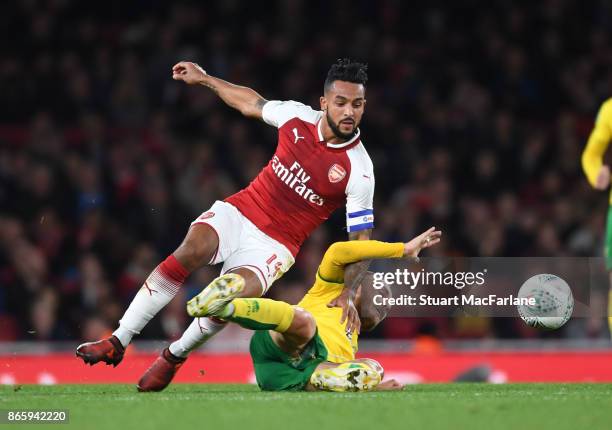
<point x="242" y="244"/>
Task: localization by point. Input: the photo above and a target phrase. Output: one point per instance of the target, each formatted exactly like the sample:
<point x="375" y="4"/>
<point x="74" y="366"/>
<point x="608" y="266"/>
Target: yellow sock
<point x="262" y="314"/>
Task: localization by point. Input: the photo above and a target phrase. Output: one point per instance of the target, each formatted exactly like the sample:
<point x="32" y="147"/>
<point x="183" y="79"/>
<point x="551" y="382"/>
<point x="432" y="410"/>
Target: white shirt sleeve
<point x="360" y="191"/>
<point x="277" y="113"/>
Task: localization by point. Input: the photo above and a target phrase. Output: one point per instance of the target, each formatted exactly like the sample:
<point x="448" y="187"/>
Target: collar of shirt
<point x="337" y="145"/>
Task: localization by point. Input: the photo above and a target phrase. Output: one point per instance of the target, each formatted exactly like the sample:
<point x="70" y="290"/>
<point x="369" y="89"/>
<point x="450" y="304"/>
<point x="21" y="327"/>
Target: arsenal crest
<point x="206" y="215"/>
<point x="336" y="173"/>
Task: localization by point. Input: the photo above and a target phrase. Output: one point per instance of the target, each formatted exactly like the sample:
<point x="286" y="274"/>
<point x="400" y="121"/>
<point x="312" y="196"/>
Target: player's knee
<point x="303" y="325"/>
<point x="252" y="283"/>
<point x="192" y="255"/>
<point x="197" y="249"/>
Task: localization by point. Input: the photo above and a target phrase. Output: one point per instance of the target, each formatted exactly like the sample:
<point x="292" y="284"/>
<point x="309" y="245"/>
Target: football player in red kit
<point x="320" y="164"/>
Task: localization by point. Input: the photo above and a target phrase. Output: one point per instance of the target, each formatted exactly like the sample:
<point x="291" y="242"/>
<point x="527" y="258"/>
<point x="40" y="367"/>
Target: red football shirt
<point x="307" y="179"/>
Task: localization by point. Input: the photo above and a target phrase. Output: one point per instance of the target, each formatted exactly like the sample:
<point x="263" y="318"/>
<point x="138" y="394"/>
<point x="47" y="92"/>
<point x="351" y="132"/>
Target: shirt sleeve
<point x="592" y="156"/>
<point x="360" y="200"/>
<point x="276" y="112"/>
<point x="340" y="254"/>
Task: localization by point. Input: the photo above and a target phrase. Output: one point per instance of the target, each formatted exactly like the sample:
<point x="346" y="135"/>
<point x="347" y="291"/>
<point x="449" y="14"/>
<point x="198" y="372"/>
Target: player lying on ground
<point x="320" y="164"/>
<point x="307" y="347"/>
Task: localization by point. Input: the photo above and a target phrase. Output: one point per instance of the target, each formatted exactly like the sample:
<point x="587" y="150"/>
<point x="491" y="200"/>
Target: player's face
<point x="343" y="104"/>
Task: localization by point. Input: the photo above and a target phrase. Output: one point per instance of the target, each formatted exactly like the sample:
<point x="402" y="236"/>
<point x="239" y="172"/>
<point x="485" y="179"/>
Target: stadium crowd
<point x="476" y="120"/>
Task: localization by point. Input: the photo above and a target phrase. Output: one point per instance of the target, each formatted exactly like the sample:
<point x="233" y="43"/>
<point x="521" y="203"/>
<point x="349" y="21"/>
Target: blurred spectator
<point x="475" y="122"/>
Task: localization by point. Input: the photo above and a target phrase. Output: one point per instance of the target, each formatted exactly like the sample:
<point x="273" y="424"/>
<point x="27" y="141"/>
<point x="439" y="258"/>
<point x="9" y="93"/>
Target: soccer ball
<point x="554" y="302"/>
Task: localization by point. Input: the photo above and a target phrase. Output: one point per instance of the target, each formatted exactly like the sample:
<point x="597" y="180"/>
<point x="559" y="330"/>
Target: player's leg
<point x="260" y="261"/>
<point x="197" y="249"/>
<point x="294" y="327"/>
<point x="160" y="287"/>
<point x="292" y="330"/>
<point x="220" y="299"/>
<point x="159" y="375"/>
<point x="202" y="245"/>
<point x="291" y="327"/>
<point x="226" y="298"/>
<point x="202" y="329"/>
<point x="285" y="361"/>
<point x="364" y="374"/>
<point x="284" y="334"/>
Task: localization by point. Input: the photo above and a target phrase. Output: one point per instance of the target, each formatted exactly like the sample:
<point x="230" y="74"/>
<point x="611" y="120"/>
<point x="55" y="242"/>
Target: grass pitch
<point x="244" y="407"/>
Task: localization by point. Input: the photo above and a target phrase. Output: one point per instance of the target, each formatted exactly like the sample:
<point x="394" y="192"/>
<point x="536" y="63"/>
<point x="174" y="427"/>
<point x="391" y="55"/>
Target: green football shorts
<point x="275" y="370"/>
<point x="608" y="245"/>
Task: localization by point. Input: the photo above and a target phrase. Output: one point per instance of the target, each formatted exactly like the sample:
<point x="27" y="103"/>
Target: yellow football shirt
<point x="328" y="285"/>
<point x="592" y="156"/>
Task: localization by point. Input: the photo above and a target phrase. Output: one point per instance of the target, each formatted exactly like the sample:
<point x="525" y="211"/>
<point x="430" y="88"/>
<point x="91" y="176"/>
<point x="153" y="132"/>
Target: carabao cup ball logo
<point x="336" y="173"/>
<point x="554" y="302"/>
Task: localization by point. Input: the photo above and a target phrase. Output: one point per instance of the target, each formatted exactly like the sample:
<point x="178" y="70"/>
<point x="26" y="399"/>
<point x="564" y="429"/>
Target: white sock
<point x="198" y="332"/>
<point x="156" y="293"/>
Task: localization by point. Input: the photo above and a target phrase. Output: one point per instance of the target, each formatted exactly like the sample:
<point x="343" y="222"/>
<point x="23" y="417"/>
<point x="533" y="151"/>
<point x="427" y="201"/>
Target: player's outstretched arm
<point x="424" y="240"/>
<point x="342" y="256"/>
<point x="354" y="272"/>
<point x="245" y="100"/>
<point x="353" y="275"/>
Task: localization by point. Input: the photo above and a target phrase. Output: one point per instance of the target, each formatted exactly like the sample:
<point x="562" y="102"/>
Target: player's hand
<point x="190" y="73"/>
<point x="389" y="385"/>
<point x="603" y="178"/>
<point x="422" y="241"/>
<point x="349" y="311"/>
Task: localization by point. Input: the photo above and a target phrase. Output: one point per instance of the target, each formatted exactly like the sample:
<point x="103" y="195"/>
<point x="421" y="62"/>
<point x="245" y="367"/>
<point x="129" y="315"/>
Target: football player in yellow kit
<point x="598" y="175"/>
<point x="307" y="347"/>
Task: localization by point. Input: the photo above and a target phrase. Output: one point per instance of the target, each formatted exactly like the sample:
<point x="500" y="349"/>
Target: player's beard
<point x="336" y="130"/>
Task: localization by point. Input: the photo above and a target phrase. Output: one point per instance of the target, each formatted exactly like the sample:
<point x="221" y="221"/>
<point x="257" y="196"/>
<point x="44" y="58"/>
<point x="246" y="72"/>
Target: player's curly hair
<point x="347" y="70"/>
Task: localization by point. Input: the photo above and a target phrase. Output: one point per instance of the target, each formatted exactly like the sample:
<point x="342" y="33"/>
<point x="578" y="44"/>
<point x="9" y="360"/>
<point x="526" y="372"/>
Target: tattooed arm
<point x="245" y="100"/>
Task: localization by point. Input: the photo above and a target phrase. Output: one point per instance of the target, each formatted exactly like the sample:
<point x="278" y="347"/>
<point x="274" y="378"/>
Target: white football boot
<point x="216" y="295"/>
<point x="351" y="376"/>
